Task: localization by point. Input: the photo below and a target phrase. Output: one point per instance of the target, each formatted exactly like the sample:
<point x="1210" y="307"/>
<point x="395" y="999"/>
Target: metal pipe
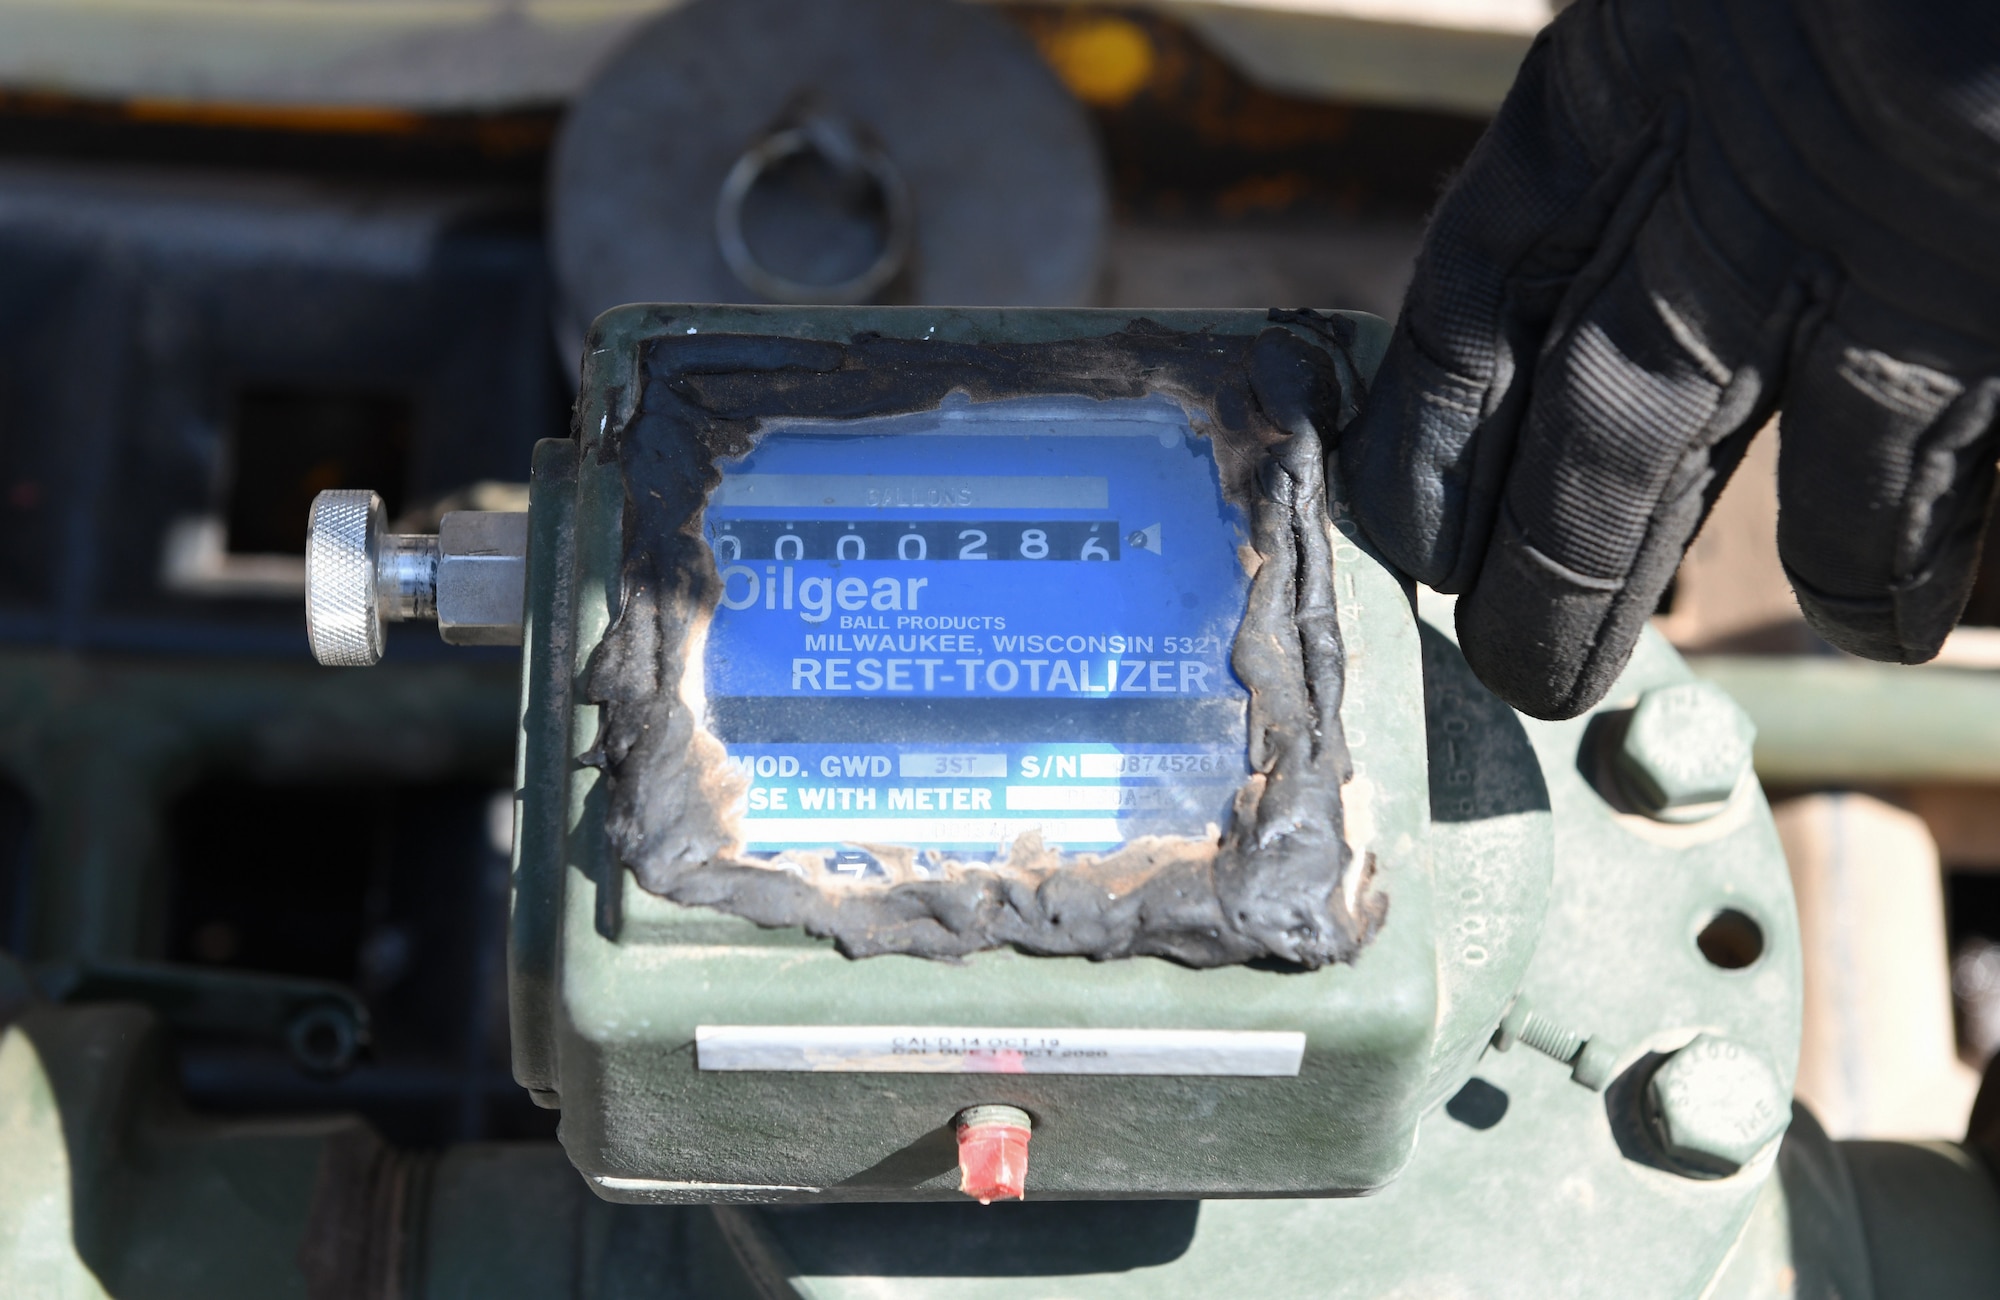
<point x="1826" y="719"/>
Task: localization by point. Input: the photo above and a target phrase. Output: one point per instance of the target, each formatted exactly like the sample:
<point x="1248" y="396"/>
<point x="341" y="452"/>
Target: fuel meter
<point x="935" y="710"/>
<point x="960" y="738"/>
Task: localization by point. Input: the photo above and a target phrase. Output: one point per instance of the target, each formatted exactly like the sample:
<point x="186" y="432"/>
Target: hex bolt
<point x="482" y="577"/>
<point x="1714" y="1105"/>
<point x="1685" y="750"/>
<point x="1591" y="1060"/>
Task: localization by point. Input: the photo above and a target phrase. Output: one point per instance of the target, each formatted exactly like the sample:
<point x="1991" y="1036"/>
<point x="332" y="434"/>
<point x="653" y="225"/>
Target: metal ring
<point x="324" y="1040"/>
<point x="768" y="284"/>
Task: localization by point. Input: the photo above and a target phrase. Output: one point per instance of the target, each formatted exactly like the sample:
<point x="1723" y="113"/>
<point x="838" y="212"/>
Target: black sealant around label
<point x="1024" y="644"/>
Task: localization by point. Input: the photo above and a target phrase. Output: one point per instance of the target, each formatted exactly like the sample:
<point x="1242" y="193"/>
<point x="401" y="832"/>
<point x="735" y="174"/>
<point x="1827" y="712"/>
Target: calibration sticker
<point x="913" y="1049"/>
<point x="1022" y="623"/>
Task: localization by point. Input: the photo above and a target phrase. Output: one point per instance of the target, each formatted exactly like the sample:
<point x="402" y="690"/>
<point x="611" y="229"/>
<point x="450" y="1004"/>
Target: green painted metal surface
<point x="1835" y="719"/>
<point x="110" y="1189"/>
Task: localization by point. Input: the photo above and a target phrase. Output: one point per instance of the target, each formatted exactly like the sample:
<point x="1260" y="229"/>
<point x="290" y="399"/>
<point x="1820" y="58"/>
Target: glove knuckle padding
<point x="1885" y="475"/>
<point x="1421" y="481"/>
<point x="1658" y="367"/>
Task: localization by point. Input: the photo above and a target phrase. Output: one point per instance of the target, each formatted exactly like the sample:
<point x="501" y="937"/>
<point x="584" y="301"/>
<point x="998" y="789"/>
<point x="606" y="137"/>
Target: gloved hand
<point x="1688" y="213"/>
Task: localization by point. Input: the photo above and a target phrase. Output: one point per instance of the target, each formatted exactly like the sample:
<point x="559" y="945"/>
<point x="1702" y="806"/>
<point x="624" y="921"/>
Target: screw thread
<point x="406" y="575"/>
<point x="1549" y="1038"/>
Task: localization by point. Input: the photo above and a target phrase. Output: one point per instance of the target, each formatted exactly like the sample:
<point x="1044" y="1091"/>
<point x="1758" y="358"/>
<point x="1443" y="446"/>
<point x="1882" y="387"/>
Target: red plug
<point x="993" y="1153"/>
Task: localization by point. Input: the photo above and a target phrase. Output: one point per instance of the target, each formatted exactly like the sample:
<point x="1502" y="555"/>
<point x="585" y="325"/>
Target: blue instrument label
<point x="940" y="631"/>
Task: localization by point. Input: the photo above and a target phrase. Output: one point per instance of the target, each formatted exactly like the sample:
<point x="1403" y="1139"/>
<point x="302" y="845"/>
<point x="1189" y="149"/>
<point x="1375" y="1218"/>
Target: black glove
<point x="1687" y="214"/>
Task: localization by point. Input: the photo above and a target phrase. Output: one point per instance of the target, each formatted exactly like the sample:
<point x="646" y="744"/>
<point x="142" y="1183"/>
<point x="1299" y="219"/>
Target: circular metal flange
<point x="1007" y="201"/>
<point x="343" y="611"/>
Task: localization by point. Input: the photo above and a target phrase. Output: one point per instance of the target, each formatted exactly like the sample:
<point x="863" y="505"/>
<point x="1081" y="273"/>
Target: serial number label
<point x="1184" y="764"/>
<point x="917" y="1049"/>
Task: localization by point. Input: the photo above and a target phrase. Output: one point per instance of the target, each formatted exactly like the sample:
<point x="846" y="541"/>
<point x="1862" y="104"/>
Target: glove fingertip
<point x="1549" y="641"/>
<point x="1887" y="630"/>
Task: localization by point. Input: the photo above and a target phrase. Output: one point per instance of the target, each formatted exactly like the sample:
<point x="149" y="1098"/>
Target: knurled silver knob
<point x="471" y="577"/>
<point x="343" y="548"/>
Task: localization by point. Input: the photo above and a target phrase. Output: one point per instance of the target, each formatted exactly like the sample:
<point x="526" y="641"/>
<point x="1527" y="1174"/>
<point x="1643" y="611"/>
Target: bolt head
<point x="1715" y="1104"/>
<point x="1685" y="748"/>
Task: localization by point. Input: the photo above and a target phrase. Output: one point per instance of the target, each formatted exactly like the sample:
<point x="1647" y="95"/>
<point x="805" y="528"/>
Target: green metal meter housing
<point x="609" y="981"/>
